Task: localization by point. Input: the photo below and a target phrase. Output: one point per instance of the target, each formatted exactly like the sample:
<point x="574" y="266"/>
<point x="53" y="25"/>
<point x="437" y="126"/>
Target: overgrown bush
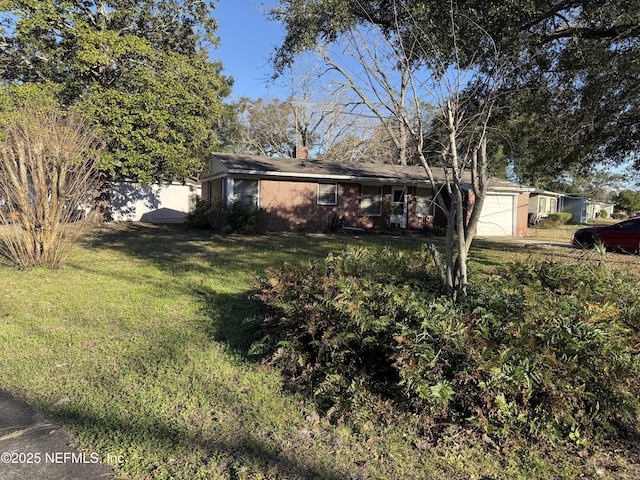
<point x="560" y="218"/>
<point x="236" y="217"/>
<point x="548" y="350"/>
<point x="331" y="324"/>
<point x="604" y="213"/>
<point x="242" y="218"/>
<point x="48" y="183"/>
<point x="618" y="216"/>
<point x="202" y="215"/>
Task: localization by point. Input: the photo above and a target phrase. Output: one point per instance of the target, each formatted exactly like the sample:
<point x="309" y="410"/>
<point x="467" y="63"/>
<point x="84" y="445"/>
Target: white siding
<point x="151" y="203"/>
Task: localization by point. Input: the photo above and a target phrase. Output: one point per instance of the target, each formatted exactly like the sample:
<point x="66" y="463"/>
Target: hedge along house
<point x="306" y="194"/>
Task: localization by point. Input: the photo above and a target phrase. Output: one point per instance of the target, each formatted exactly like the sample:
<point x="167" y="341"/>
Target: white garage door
<point x="498" y="216"/>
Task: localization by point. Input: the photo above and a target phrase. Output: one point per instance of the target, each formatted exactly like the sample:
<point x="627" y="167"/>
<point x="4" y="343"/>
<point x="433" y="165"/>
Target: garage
<point x="498" y="215"/>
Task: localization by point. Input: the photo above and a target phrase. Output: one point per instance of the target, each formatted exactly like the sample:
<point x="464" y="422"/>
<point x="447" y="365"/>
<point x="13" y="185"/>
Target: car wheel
<point x="588" y="240"/>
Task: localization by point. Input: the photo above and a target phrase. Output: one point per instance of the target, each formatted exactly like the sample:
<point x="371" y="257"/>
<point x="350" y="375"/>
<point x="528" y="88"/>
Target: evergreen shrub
<point x="560" y="218"/>
<point x="548" y="350"/>
<point x="236" y="217"/>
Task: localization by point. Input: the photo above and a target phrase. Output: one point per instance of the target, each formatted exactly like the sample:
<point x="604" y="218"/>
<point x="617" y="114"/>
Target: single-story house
<point x="600" y="206"/>
<point x="155" y="203"/>
<point x="583" y="208"/>
<point x="542" y="203"/>
<point x="309" y="194"/>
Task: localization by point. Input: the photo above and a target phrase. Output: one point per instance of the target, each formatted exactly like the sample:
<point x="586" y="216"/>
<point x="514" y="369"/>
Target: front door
<point x="398" y="217"/>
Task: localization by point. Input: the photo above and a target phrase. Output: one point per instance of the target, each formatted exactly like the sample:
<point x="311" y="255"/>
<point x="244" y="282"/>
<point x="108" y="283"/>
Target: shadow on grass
<point x="190" y="253"/>
<point x="166" y="245"/>
<point x="244" y="451"/>
<point x="233" y="319"/>
<point x="174" y="408"/>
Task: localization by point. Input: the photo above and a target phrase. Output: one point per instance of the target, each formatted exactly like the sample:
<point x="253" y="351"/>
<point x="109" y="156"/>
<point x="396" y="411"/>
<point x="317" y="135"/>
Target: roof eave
<point x="313" y="176"/>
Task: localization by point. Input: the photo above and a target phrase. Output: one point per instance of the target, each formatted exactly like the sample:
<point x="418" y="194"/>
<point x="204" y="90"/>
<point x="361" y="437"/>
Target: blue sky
<point x="247" y="39"/>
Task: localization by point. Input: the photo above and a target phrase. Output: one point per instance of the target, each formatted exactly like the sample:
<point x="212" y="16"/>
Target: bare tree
<point x="265" y="128"/>
<point x="325" y="120"/>
<point x="442" y="109"/>
<point x="366" y="141"/>
<point x="47" y="184"/>
<point x="464" y="98"/>
<point x="377" y="88"/>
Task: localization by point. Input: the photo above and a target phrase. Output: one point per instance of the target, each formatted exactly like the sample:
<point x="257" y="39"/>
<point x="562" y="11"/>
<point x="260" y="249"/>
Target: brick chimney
<point x="302" y="152"/>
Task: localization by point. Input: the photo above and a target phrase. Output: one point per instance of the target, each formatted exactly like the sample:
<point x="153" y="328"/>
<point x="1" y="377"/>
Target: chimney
<point x="302" y="152"/>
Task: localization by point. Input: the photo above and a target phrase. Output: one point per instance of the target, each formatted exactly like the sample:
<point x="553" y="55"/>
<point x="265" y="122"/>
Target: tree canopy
<point x="572" y="98"/>
<point x="628" y="200"/>
<point x="139" y="70"/>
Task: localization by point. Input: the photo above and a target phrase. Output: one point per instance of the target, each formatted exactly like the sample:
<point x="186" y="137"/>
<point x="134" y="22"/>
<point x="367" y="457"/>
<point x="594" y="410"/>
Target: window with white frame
<point x="371" y="200"/>
<point x="543" y="205"/>
<point x="327" y="194"/>
<point x="242" y="190"/>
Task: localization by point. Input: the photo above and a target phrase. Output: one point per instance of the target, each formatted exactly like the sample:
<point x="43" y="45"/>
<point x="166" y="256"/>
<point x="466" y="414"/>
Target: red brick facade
<point x="293" y="205"/>
<point x="522" y="215"/>
<point x="212" y="190"/>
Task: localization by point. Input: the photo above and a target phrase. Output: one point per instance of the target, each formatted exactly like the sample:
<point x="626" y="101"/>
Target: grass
<point x="138" y="346"/>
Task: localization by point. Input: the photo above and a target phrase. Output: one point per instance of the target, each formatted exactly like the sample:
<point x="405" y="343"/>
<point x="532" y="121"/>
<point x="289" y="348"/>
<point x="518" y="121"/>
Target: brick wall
<point x="291" y="205"/>
<point x="522" y="215"/>
<point x="212" y="190"/>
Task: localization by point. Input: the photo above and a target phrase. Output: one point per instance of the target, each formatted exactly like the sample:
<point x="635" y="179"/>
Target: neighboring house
<point x="306" y="194"/>
<point x="583" y="208"/>
<point x="542" y="203"/>
<point x="606" y="206"/>
<point x="168" y="203"/>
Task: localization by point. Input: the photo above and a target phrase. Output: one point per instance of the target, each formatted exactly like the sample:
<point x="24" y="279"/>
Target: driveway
<point x="33" y="448"/>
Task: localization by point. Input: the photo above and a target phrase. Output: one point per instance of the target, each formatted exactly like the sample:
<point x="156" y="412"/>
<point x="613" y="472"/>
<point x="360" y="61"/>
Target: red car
<point x="619" y="236"/>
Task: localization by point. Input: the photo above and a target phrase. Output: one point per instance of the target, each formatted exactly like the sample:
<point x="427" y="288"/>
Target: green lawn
<point x="138" y="346"/>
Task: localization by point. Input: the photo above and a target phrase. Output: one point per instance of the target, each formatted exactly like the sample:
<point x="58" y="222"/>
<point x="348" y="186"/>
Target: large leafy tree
<point x="573" y="101"/>
<point x="573" y="96"/>
<point x="628" y="200"/>
<point x="138" y="69"/>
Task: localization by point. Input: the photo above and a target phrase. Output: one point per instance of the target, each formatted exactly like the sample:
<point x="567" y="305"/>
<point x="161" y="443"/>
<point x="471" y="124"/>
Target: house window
<point x="242" y="190"/>
<point x="543" y="205"/>
<point x="327" y="194"/>
<point x="424" y="202"/>
<point x="371" y="201"/>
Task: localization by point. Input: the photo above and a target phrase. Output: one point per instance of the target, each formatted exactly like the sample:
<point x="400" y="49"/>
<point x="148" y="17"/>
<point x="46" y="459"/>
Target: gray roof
<point x="547" y="193"/>
<point x="225" y="164"/>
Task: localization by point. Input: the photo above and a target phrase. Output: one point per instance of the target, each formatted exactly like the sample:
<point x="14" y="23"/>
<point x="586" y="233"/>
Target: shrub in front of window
<point x="235" y="217"/>
<point x="242" y="217"/>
